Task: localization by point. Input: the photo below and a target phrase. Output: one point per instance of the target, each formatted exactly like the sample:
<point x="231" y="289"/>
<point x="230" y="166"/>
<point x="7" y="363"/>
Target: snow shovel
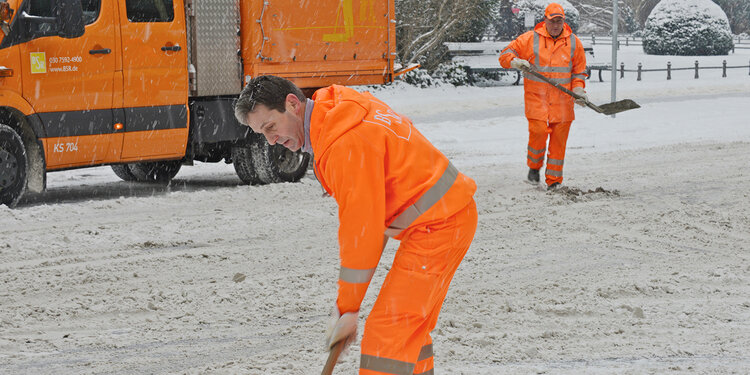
<point x="333" y="357"/>
<point x="607" y="109"/>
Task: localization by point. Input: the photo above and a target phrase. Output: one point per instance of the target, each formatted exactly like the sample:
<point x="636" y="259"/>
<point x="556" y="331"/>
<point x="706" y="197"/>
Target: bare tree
<point x="632" y="13"/>
<point x="641" y="9"/>
<point x="738" y="12"/>
<point x="424" y="25"/>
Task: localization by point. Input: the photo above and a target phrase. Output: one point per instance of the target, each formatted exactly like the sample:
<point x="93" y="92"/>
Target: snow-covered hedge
<point x="687" y="28"/>
<point x="537" y="8"/>
<point x="420" y="78"/>
<point x="452" y="73"/>
<point x="446" y="73"/>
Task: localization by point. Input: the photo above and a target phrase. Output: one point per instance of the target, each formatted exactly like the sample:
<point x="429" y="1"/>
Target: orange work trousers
<point x="539" y="132"/>
<point x="396" y="338"/>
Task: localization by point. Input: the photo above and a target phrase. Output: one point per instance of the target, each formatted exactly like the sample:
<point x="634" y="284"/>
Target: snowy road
<point x="649" y="275"/>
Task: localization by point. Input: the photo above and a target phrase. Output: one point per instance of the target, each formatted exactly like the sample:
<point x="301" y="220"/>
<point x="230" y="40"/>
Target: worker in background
<point x="388" y="181"/>
<point x="554" y="51"/>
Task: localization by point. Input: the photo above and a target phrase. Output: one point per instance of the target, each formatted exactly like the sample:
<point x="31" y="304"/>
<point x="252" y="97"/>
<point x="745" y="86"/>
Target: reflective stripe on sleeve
<point x="429" y="198"/>
<point x="555" y="161"/>
<point x="579" y="76"/>
<point x="550" y="172"/>
<point x="355" y="276"/>
<point x="386" y="365"/>
<point x="428" y="372"/>
<point x="509" y="51"/>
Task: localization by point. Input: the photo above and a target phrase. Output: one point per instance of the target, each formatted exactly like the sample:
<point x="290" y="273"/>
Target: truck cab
<point x="146" y="86"/>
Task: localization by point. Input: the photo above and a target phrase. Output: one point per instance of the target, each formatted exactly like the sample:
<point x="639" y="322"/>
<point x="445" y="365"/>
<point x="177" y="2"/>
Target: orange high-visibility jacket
<point x="561" y="59"/>
<point x="377" y="166"/>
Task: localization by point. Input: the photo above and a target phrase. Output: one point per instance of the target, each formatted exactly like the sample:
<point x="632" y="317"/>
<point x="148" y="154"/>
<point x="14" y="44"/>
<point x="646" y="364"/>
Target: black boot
<point x="553" y="187"/>
<point x="533" y="176"/>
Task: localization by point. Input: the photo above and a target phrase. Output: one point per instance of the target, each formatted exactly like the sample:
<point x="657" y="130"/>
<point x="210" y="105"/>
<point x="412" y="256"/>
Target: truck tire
<point x="259" y="163"/>
<point x="155" y="171"/>
<point x="13" y="166"/>
<point x="287" y="165"/>
<point x="123" y="171"/>
<point x="243" y="164"/>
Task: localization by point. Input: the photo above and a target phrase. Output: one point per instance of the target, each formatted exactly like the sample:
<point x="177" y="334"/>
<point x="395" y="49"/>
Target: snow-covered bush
<point x="452" y="73"/>
<point x="537" y="8"/>
<point x="687" y="28"/>
<point x="420" y="78"/>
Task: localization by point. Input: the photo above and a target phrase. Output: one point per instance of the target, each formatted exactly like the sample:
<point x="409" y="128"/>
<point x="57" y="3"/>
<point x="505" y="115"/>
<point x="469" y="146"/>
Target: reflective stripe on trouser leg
<point x="407" y="307"/>
<point x="425" y="362"/>
<point x="557" y="141"/>
<point x="538" y="132"/>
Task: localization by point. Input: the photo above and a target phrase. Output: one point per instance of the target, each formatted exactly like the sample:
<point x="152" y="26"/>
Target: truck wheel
<point x="260" y="163"/>
<point x="12" y="166"/>
<point x="155" y="171"/>
<point x="243" y="164"/>
<point x="123" y="171"/>
<point x="288" y="166"/>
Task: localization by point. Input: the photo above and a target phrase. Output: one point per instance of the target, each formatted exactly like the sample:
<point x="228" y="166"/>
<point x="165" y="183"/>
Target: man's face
<point x="285" y="128"/>
<point x="554" y="26"/>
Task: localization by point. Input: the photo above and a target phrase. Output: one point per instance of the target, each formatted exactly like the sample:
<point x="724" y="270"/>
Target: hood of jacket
<point x="337" y="110"/>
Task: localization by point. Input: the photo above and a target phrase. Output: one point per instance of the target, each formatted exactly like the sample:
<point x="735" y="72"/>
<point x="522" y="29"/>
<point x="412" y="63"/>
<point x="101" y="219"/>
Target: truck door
<point x="69" y="82"/>
<point x="155" y="79"/>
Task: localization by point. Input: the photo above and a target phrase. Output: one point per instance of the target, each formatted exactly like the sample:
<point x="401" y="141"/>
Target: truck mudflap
<point x="213" y="121"/>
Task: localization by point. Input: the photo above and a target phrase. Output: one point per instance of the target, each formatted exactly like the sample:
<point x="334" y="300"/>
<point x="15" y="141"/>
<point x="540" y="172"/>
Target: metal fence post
<point x="627" y="41"/>
<point x="724" y="69"/>
<point x="593" y="39"/>
<point x="669" y="70"/>
<point x="640" y="66"/>
<point x="696" y="69"/>
<point x="622" y="70"/>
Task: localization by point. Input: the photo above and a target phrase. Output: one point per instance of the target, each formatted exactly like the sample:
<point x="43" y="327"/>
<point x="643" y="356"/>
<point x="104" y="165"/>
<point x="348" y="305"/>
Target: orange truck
<point x="146" y="86"/>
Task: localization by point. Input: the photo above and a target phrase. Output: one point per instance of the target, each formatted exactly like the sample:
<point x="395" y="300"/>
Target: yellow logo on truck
<point x="347" y="13"/>
<point x="38" y="62"/>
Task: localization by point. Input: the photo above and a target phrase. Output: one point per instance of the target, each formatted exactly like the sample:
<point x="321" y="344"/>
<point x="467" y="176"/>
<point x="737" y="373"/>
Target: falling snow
<point x="640" y="265"/>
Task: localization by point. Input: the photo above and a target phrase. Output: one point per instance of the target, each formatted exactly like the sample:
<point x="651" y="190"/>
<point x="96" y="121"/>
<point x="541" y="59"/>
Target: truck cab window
<point x="45" y="8"/>
<point x="90" y="10"/>
<point x="41" y="8"/>
<point x="150" y="10"/>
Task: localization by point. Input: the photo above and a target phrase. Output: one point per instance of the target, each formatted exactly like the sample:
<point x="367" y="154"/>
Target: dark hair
<point x="270" y="91"/>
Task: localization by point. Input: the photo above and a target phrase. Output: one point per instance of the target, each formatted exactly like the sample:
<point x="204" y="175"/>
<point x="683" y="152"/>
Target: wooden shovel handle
<point x="333" y="357"/>
<point x="558" y="86"/>
<point x="561" y="88"/>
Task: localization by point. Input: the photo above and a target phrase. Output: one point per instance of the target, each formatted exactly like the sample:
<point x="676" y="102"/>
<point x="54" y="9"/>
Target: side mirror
<point x="69" y="20"/>
<point x="6" y="14"/>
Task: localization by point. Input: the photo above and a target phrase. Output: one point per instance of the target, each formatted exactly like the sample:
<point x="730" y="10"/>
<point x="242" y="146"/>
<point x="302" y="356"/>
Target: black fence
<point x="629" y="40"/>
<point x="696" y="68"/>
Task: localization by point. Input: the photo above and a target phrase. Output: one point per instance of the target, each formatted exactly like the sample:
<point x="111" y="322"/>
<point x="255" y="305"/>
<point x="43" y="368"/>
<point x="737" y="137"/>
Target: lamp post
<point x="614" y="51"/>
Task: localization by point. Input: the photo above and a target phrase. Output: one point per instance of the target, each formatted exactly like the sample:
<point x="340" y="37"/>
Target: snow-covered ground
<point x="641" y="266"/>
